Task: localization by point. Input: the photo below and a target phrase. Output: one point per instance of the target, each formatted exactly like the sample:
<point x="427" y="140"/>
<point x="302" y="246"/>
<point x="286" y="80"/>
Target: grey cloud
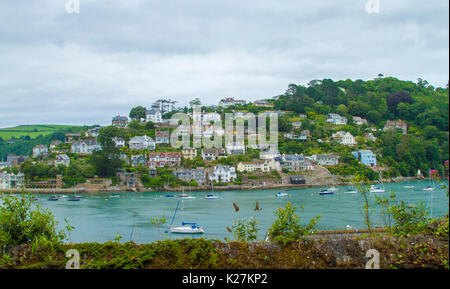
<point x="60" y="68"/>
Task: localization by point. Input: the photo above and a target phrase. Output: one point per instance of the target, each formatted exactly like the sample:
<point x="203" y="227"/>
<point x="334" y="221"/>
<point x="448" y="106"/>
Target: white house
<point x="359" y="121"/>
<point x="259" y="166"/>
<point x="326" y="159"/>
<point x="141" y="143"/>
<point x="153" y="115"/>
<point x="85" y="146"/>
<point x="11" y="180"/>
<point x="344" y="138"/>
<point x="235" y="148"/>
<point x="335" y="118"/>
<point x="120" y="142"/>
<point x="39" y="150"/>
<point x="223" y="174"/>
<point x="62" y="159"/>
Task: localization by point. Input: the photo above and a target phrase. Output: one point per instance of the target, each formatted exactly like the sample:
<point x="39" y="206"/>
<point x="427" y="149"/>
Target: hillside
<point x="32" y="131"/>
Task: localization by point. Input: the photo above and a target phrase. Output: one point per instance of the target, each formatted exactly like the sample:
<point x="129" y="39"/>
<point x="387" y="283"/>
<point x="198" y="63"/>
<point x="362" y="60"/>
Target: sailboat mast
<point x="174" y="214"/>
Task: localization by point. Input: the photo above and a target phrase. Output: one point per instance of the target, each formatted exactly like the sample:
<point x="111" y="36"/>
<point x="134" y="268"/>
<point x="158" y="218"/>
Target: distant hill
<point x="33" y="131"/>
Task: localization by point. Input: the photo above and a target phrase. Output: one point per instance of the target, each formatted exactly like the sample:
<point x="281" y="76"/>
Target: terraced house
<point x="294" y="163"/>
<point x="161" y="160"/>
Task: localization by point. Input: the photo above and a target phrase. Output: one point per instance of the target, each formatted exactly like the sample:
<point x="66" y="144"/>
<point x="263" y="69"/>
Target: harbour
<point x="101" y="217"/>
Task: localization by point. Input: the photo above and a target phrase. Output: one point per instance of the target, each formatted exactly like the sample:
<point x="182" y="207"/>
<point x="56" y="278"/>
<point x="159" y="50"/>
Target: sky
<point x="84" y="68"/>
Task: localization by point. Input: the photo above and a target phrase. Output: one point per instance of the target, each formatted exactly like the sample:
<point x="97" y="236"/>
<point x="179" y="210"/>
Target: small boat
<point x="114" y="196"/>
<point x="74" y="199"/>
<point x="429" y="188"/>
<point x="326" y="192"/>
<point x="409" y="187"/>
<point x="187" y="228"/>
<point x="351" y="192"/>
<point x="54" y="198"/>
<point x="62" y="196"/>
<point x="185" y="196"/>
<point x="169" y="196"/>
<point x="280" y="194"/>
<point x="332" y="189"/>
<point x="376" y="189"/>
<point x="210" y="196"/>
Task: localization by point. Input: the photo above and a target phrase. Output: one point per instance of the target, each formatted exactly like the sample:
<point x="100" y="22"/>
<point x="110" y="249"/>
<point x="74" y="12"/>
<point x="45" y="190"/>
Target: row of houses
<point x="11" y="180"/>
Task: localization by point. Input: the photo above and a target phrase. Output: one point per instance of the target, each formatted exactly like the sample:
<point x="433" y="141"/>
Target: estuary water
<point x="98" y="218"/>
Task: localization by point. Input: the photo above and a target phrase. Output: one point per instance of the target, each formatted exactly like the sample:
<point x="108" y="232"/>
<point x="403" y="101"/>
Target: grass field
<point x="31" y="130"/>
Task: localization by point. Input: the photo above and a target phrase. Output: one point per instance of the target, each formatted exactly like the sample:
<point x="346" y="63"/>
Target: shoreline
<point x="71" y="191"/>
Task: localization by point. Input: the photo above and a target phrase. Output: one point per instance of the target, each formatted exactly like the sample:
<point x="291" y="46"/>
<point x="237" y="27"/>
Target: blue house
<point x="366" y="157"/>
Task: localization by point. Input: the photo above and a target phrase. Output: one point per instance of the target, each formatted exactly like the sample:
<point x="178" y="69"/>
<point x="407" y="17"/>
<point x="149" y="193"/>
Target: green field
<point x="32" y="130"/>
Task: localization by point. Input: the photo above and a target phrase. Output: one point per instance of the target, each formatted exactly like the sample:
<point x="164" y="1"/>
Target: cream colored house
<point x="258" y="166"/>
<point x="189" y="153"/>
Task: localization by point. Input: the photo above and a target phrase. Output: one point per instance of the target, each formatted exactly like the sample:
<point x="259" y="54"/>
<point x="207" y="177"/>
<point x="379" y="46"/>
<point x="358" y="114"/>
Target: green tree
<point x="138" y="113"/>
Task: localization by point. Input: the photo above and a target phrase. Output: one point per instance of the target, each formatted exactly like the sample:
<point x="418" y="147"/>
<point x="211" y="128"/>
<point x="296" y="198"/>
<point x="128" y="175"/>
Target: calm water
<point x="97" y="219"/>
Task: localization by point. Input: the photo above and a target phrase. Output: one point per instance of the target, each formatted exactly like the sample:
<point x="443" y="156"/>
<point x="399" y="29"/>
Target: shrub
<point x="21" y="224"/>
<point x="287" y="228"/>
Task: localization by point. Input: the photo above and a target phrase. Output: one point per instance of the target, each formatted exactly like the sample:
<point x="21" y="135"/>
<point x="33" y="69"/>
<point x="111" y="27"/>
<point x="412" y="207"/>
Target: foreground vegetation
<point x="28" y="239"/>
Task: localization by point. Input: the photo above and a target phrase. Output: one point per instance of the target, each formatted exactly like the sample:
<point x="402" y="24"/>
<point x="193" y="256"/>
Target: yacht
<point x="187" y="228"/>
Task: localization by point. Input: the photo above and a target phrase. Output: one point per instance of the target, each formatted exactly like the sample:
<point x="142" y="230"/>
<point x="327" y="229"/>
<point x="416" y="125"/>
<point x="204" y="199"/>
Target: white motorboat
<point x="429" y="188"/>
<point x="376" y="189"/>
<point x="409" y="187"/>
<point x="326" y="192"/>
<point x="185" y="196"/>
<point x="280" y="194"/>
<point x="187" y="228"/>
<point x="351" y="192"/>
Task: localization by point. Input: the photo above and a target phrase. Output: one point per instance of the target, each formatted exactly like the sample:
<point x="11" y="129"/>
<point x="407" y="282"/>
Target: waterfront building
<point x="191" y="175"/>
<point x="366" y="157"/>
<point x="258" y="166"/>
<point x="62" y="159"/>
<point x="337" y="119"/>
<point x="294" y="163"/>
<point x="141" y="143"/>
<point x="223" y="174"/>
<point x="297" y="180"/>
<point x="126" y="178"/>
<point x="87" y="146"/>
<point x="160" y="160"/>
<point x="11" y="180"/>
<point x="120" y="121"/>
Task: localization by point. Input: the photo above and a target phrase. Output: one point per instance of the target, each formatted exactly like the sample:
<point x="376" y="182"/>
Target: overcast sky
<point x="60" y="68"/>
